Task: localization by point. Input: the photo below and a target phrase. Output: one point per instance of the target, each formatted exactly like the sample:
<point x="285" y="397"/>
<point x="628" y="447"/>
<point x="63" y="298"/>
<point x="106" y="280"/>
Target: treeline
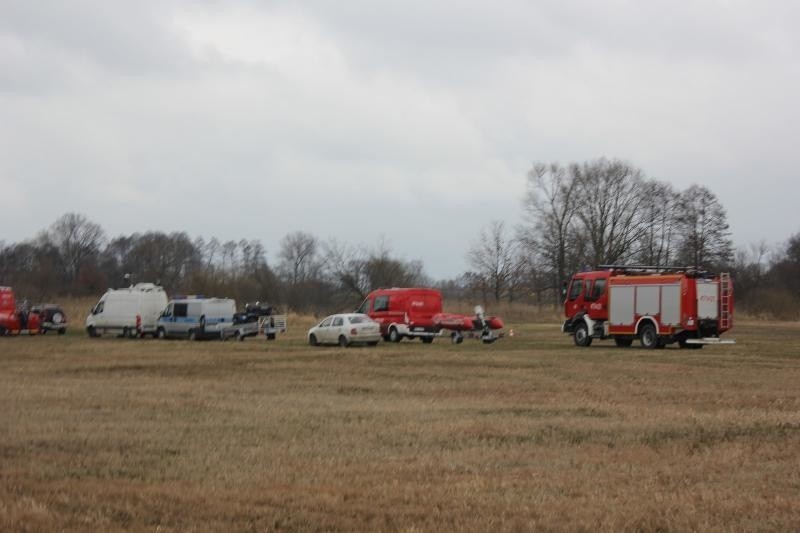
<point x="576" y="216"/>
<point x="73" y="257"/>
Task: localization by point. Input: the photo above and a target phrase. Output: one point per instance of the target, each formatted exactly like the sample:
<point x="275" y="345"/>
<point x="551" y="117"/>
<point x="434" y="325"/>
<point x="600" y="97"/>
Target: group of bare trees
<point x="598" y="212"/>
<point x="73" y="257"/>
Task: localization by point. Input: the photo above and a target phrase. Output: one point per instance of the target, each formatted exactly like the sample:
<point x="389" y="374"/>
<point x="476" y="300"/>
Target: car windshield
<point x="359" y="319"/>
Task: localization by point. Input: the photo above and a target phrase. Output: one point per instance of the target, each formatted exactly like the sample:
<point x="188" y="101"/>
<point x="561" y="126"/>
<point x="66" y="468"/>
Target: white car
<point x="345" y="329"/>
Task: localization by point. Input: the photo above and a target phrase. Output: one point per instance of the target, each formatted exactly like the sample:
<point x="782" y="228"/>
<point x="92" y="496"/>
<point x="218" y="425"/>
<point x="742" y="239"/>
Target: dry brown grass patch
<point x="528" y="433"/>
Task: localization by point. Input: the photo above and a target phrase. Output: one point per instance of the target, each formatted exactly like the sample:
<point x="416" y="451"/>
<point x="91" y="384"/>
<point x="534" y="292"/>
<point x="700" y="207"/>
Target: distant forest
<point x="576" y="216"/>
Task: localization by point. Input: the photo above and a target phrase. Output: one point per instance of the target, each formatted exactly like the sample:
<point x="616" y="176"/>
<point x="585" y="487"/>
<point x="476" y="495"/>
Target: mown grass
<point x="527" y="433"/>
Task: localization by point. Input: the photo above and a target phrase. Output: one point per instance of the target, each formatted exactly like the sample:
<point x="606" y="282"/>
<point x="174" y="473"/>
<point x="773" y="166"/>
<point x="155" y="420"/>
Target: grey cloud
<point x="415" y="120"/>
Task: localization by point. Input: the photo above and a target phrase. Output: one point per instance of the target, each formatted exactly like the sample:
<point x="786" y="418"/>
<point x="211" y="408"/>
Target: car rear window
<point x="358" y="319"/>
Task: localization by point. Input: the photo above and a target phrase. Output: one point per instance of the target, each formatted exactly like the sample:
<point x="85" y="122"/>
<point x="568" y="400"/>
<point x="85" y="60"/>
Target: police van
<point x="196" y="317"/>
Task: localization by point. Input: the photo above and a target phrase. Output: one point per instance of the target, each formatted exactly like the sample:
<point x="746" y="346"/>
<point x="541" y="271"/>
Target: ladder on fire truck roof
<point x="655" y="269"/>
<point x="724" y="300"/>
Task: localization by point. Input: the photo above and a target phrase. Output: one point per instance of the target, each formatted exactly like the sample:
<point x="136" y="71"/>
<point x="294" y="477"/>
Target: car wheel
<point x="394" y="335"/>
<point x="343" y="342"/>
<point x="312" y="340"/>
<point x="91" y="332"/>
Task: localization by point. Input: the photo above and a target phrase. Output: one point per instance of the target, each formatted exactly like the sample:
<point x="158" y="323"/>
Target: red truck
<point x="658" y="306"/>
<point x="14" y="321"/>
<point x="417" y="313"/>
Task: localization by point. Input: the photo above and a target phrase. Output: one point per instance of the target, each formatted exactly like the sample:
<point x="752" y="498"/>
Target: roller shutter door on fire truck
<point x="629" y="301"/>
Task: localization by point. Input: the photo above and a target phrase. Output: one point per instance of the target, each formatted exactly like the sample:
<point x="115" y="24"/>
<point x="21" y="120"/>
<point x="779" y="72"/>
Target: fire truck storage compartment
<point x="628" y="302"/>
<point x="707" y="306"/>
<point x="622" y="298"/>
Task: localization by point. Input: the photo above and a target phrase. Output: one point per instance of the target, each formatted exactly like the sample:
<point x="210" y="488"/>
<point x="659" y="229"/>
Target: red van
<point x="417" y="313"/>
<point x="13" y="320"/>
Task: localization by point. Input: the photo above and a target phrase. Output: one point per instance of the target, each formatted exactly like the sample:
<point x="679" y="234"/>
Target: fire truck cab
<point x="658" y="306"/>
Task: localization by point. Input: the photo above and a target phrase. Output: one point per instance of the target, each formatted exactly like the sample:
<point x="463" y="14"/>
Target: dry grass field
<point x="530" y="433"/>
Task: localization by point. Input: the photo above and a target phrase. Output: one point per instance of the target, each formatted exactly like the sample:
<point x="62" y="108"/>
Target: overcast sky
<point x="413" y="121"/>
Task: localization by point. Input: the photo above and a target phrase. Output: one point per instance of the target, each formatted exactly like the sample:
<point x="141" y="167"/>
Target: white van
<point x="128" y="311"/>
<point x="196" y="318"/>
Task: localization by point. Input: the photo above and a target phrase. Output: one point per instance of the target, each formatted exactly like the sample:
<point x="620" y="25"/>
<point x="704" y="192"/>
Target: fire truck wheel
<point x="649" y="337"/>
<point x="581" y="335"/>
<point x="623" y="343"/>
<point x="394" y="335"/>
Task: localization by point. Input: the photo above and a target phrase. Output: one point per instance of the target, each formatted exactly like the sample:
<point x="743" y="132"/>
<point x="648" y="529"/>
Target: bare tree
<point x="356" y="270"/>
<point x="550" y="233"/>
<point x="703" y="229"/>
<point x="493" y="260"/>
<point x="658" y="217"/>
<point x="77" y="240"/>
<point x="299" y="258"/>
<point x="346" y="269"/>
<point x="609" y="209"/>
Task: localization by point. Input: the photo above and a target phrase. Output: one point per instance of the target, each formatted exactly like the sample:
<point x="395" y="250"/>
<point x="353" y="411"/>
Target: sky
<point x="412" y="123"/>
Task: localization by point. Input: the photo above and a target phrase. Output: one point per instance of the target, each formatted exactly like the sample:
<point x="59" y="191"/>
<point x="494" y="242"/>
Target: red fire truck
<point x="658" y="306"/>
<point x="14" y="320"/>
